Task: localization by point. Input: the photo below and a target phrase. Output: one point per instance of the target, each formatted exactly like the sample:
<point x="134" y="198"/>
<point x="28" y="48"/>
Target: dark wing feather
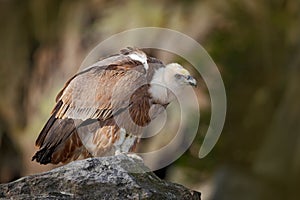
<point x="48" y="125"/>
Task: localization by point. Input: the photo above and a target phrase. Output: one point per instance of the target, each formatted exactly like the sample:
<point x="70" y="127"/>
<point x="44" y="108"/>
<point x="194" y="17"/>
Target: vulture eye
<point x="178" y="76"/>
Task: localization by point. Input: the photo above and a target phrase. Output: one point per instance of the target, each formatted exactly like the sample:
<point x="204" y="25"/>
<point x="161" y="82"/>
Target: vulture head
<point x="170" y="80"/>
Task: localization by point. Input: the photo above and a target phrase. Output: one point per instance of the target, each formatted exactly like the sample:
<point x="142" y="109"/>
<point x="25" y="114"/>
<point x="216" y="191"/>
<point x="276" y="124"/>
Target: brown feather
<point x="47" y="127"/>
<point x="112" y="87"/>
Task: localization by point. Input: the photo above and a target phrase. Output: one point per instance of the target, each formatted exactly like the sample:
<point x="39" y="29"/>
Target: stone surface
<point x="96" y="178"/>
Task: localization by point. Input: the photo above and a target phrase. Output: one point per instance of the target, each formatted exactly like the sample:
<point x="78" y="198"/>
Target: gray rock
<point x="96" y="178"/>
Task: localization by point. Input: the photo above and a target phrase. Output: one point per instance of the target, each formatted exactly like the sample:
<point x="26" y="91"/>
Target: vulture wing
<point x="95" y="95"/>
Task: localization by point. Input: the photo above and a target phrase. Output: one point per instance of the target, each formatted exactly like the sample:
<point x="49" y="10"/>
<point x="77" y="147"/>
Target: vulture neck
<point x="161" y="87"/>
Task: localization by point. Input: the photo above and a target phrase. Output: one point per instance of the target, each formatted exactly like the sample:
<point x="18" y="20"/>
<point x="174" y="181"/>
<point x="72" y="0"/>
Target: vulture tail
<point x="59" y="141"/>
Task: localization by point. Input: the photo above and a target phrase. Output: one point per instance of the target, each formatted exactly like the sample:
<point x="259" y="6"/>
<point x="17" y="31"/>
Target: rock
<point x="97" y="178"/>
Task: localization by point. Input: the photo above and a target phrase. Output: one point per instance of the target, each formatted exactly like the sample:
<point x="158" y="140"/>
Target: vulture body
<point x="103" y="109"/>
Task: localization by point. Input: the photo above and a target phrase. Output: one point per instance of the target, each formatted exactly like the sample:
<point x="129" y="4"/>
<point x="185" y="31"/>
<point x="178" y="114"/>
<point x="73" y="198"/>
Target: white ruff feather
<point x="140" y="57"/>
<point x="158" y="88"/>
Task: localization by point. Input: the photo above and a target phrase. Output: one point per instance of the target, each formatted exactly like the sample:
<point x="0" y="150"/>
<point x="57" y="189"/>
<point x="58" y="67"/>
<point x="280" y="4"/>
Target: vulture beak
<point x="191" y="81"/>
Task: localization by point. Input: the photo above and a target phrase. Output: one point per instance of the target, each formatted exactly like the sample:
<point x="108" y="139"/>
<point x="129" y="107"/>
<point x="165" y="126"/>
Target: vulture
<point x="102" y="110"/>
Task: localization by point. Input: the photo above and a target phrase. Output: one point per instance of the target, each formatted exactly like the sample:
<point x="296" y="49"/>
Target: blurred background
<point x="255" y="44"/>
